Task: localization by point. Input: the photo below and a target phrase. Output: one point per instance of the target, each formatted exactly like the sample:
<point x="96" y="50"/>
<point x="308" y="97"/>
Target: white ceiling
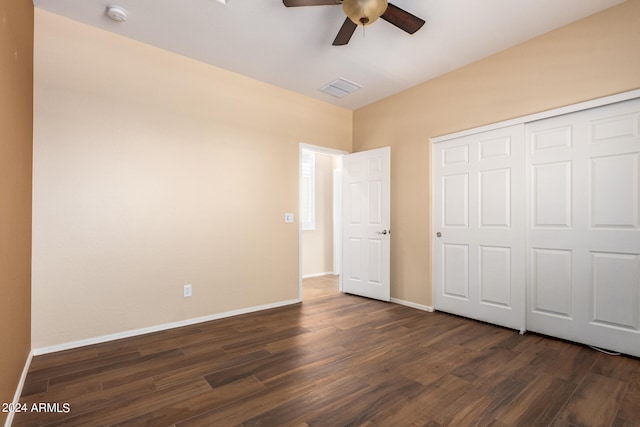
<point x="291" y="47"/>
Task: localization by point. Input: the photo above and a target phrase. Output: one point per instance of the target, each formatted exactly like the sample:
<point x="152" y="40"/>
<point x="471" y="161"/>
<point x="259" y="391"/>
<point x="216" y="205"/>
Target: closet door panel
<point x="552" y="201"/>
<point x="495" y="198"/>
<point x="479" y="227"/>
<point x="552" y="282"/>
<point x="614" y="191"/>
<point x="616" y="302"/>
<point x="583" y="219"/>
<point x="495" y="275"/>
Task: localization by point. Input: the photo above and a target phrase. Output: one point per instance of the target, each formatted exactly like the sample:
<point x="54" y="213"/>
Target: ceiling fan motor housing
<point x="364" y="12"/>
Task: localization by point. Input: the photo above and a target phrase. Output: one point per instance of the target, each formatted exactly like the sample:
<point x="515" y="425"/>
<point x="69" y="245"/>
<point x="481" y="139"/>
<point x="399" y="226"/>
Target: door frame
<point x="336" y="244"/>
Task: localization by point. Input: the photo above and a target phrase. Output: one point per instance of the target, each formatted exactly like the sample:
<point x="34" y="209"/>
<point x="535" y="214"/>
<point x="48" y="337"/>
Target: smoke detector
<point x="117" y="13"/>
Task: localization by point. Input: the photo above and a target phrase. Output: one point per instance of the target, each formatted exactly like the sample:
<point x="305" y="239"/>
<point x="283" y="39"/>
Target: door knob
<point x="438" y="234"/>
<point x="382" y="232"/>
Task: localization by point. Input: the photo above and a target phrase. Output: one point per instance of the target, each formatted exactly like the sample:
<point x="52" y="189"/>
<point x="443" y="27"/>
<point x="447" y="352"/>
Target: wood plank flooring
<point x="335" y="360"/>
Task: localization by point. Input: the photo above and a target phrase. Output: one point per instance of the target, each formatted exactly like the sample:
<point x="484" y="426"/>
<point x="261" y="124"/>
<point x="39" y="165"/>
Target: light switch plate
<point x="288" y="217"/>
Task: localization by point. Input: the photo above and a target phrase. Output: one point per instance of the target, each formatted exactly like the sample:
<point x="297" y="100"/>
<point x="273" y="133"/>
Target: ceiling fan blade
<point x="296" y="3"/>
<point x="345" y="33"/>
<point x="402" y="19"/>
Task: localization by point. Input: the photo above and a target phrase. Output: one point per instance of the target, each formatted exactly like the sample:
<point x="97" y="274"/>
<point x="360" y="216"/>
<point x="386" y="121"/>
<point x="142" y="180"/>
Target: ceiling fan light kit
<point x="364" y="12"/>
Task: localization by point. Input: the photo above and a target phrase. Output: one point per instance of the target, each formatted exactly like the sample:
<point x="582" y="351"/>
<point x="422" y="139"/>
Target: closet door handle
<point x="438" y="234"/>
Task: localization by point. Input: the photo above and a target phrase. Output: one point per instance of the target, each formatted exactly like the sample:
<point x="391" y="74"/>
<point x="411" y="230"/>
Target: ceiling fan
<point x="364" y="12"/>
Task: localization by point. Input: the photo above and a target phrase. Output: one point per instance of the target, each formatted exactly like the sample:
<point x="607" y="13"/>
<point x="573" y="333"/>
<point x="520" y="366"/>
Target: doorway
<point x="319" y="219"/>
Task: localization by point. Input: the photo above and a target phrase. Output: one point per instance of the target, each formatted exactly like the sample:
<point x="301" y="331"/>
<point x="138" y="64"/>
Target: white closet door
<point x="478" y="221"/>
<point x="583" y="226"/>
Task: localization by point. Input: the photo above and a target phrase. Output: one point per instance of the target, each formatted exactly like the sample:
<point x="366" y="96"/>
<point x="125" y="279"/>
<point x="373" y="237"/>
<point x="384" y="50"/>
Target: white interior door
<point x="583" y="232"/>
<point x="478" y="221"/>
<point x="366" y="223"/>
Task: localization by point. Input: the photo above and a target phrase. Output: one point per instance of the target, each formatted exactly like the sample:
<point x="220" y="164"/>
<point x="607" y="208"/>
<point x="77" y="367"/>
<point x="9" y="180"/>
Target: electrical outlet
<point x="187" y="291"/>
<point x="288" y="218"/>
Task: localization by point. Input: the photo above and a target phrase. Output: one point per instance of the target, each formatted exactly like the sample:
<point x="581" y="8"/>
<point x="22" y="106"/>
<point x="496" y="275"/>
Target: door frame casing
<point x="323" y="150"/>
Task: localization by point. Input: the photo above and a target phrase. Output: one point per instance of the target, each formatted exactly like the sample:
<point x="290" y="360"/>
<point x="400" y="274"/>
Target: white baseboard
<point x="16" y="396"/>
<point x="157" y="328"/>
<point x="308" y="276"/>
<point x="187" y="322"/>
<point x="413" y="305"/>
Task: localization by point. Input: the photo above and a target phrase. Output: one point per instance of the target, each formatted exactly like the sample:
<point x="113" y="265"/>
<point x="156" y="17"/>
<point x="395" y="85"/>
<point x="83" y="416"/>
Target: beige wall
<point x="151" y="171"/>
<point x="16" y="136"/>
<point x="317" y="245"/>
<point x="591" y="58"/>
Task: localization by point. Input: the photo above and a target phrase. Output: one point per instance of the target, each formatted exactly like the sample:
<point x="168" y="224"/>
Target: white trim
<point x="412" y="305"/>
<point x="326" y="273"/>
<point x="321" y="149"/>
<point x="16" y="396"/>
<point x="337" y="219"/>
<point x="307" y="212"/>
<point x="599" y="102"/>
<point x="157" y="328"/>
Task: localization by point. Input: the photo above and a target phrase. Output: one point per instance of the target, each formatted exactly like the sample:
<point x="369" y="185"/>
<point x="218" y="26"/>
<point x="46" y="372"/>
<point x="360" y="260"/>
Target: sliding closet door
<point x="478" y="221"/>
<point x="583" y="226"/>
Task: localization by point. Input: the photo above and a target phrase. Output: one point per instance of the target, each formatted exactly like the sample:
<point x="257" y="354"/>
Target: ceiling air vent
<point x="340" y="87"/>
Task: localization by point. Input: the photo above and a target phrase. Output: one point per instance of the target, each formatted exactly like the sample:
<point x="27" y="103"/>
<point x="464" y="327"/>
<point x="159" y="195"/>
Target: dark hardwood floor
<point x="335" y="360"/>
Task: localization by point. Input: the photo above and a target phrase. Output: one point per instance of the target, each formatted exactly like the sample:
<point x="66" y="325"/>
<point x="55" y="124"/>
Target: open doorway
<point x="320" y="216"/>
